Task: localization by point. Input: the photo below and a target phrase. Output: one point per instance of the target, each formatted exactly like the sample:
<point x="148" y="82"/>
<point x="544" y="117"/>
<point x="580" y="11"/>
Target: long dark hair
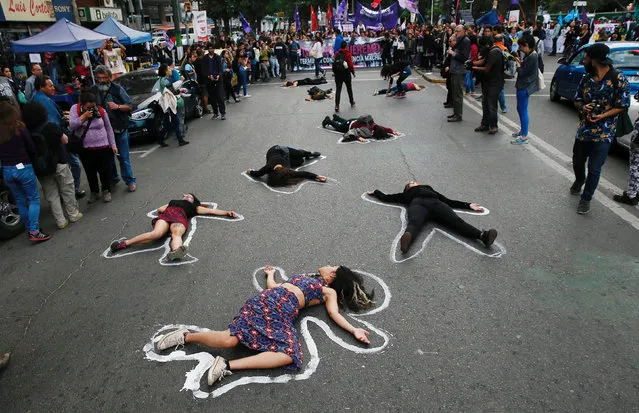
<point x="196" y="201"/>
<point x="10" y="123"/>
<point x="281" y="177"/>
<point x="162" y="70"/>
<point x="388" y="70"/>
<point x="349" y="286"/>
<point x="34" y="115"/>
<point x="380" y="134"/>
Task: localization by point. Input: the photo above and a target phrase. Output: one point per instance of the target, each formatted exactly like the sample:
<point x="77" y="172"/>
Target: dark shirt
<point x="280" y="50"/>
<point x="462" y="53"/>
<point x="279" y="157"/>
<point x="53" y="134"/>
<point x="189" y="209"/>
<point x="495" y="75"/>
<point x="17" y="149"/>
<point x="417" y="192"/>
<point x="212" y="66"/>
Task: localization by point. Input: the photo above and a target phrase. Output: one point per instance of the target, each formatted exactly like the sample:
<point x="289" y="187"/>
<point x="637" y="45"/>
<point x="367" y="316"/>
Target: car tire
<point x="10" y="222"/>
<point x="554" y="95"/>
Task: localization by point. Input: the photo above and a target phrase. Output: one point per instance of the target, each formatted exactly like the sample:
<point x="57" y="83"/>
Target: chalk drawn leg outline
<point x="166" y="246"/>
<point x="404" y="219"/>
<point x="341" y="140"/>
<point x="205" y="360"/>
<point x="298" y="186"/>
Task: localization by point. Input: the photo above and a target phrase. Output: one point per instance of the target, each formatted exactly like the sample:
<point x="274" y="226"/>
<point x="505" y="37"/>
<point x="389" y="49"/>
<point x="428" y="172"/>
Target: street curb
<point x="431" y="77"/>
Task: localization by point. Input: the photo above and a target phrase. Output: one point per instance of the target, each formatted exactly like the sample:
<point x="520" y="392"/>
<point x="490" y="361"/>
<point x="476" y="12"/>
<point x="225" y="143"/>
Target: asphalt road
<point x="544" y="321"/>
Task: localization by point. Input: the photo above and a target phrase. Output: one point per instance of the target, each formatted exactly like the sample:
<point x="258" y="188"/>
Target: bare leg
<point x="219" y="339"/>
<point x="177" y="230"/>
<point x="159" y="230"/>
<point x="266" y="360"/>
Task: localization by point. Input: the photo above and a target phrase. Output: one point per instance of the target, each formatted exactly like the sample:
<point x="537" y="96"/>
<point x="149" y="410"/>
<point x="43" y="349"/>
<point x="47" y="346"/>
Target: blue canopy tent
<point x="63" y="36"/>
<point x="124" y="34"/>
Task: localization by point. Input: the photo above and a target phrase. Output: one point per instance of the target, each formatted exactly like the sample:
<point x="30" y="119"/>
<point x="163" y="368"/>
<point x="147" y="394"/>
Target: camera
<point x="468" y="64"/>
<point x="95" y="112"/>
<point x="597" y="109"/>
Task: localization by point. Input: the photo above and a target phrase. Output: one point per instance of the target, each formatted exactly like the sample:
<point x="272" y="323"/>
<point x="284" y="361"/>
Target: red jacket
<point x="348" y="58"/>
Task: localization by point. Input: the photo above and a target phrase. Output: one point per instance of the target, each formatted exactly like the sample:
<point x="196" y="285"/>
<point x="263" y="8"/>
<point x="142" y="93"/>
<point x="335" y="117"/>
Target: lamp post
<point x="176" y="26"/>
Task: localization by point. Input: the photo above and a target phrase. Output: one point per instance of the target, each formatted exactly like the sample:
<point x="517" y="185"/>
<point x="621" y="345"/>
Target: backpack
<point x="45" y="160"/>
<point x="339" y="63"/>
<point x="508" y="64"/>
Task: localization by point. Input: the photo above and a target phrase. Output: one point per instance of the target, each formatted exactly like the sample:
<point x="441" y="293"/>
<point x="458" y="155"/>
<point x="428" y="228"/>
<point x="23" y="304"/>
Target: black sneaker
<point x="336" y="109"/>
<point x="625" y="199"/>
<point x="405" y="241"/>
<point x="488" y="237"/>
<point x="575" y="189"/>
<point x="118" y="245"/>
<point x="223" y="117"/>
<point x="163" y="144"/>
<point x="481" y="128"/>
<point x="80" y="194"/>
<point x="38" y="236"/>
<point x="177" y="254"/>
<point x="315" y="155"/>
<point x="583" y="207"/>
<point x="326" y="122"/>
<point x="182" y="143"/>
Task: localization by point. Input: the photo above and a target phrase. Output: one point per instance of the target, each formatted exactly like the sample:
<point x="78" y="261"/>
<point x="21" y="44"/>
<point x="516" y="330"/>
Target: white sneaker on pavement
<point x="218" y="370"/>
<point x="172" y="339"/>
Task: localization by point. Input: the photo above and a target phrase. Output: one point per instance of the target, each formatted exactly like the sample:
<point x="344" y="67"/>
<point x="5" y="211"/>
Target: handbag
<point x="234" y="80"/>
<point x="75" y="143"/>
<point x="624" y="124"/>
<point x="541" y="83"/>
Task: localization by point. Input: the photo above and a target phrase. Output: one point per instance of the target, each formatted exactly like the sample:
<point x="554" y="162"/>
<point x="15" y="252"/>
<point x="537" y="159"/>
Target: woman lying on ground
<point x="400" y="70"/>
<point x="393" y="91"/>
<point x="316" y="93"/>
<point x="265" y="322"/>
<point x="305" y="82"/>
<point x="173" y="217"/>
<point x="425" y="204"/>
<point x="365" y="121"/>
<point x="280" y="161"/>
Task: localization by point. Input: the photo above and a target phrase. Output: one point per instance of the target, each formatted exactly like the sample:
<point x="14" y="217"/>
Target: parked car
<point x="143" y="86"/>
<point x="625" y="57"/>
<point x="10" y="222"/>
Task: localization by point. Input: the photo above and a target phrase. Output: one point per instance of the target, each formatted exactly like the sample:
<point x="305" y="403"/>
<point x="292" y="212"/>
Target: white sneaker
<point x="246" y="96"/>
<point x="218" y="370"/>
<point x="76" y="218"/>
<point x="172" y="339"/>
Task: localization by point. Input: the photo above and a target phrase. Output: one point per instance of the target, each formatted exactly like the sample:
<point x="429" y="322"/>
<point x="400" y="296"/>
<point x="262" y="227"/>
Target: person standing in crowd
<point x="79" y="68"/>
<point x="281" y="53"/>
<point x="201" y="80"/>
<point x="118" y="105"/>
<point x="430" y="49"/>
<point x="189" y="67"/>
<point x="57" y="182"/>
<point x="15" y="88"/>
<point x="492" y="82"/>
<point x="317" y="52"/>
<point x="91" y="124"/>
<point x="16" y="150"/>
<point x="171" y="113"/>
<point x="227" y="76"/>
<point x="213" y="71"/>
<point x="527" y="83"/>
<point x="274" y="64"/>
<point x="458" y="56"/>
<point x="499" y="42"/>
<point x="386" y="45"/>
<point x="29" y="89"/>
<point x="603" y="94"/>
<point x="556" y="32"/>
<point x="631" y="195"/>
<point x="293" y="58"/>
<point x="343" y="68"/>
<point x="113" y="58"/>
<point x="337" y="44"/>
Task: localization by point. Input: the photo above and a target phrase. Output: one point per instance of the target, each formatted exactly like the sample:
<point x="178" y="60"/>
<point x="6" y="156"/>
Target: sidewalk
<point x="432" y="76"/>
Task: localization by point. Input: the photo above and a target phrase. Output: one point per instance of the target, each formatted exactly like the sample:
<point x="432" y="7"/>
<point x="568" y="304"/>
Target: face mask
<point x="590" y="68"/>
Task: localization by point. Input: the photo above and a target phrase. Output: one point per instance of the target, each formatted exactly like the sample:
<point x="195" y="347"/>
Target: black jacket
<point x="417" y="192"/>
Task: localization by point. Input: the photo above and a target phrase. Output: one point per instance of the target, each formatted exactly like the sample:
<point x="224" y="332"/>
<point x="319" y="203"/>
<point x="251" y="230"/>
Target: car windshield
<point x="625" y="58"/>
<point x="140" y="83"/>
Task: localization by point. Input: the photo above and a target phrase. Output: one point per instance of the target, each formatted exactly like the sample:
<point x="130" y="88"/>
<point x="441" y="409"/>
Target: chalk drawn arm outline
<point x="298" y="186"/>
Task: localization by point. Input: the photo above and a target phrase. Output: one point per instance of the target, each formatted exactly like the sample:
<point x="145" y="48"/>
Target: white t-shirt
<point x="113" y="60"/>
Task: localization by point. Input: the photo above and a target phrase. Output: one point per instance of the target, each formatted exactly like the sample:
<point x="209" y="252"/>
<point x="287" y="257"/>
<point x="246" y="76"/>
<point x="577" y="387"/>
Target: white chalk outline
<point x="188" y="259"/>
<point x="404" y="219"/>
<point x="205" y="359"/>
<point x="341" y="140"/>
<point x="298" y="186"/>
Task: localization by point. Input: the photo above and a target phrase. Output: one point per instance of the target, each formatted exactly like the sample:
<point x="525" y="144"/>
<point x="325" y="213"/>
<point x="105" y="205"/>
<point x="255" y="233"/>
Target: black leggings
<point x="340" y="124"/>
<point x="97" y="162"/>
<point x="295" y="156"/>
<point x="341" y="79"/>
<point x="431" y="209"/>
<point x="307" y="81"/>
<point x="228" y="86"/>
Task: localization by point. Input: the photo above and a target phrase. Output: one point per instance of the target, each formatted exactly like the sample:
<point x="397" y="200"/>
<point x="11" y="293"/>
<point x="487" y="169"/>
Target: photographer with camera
<point x="459" y="54"/>
<point x="92" y="132"/>
<point x="113" y="58"/>
<point x="603" y="94"/>
<point x="491" y="66"/>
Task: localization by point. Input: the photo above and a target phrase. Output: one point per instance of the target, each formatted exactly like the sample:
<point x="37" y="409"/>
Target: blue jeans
<point x="171" y="121"/>
<point x="595" y="153"/>
<point x="469" y="82"/>
<point x="522" y="109"/>
<point x="243" y="81"/>
<point x="318" y="69"/>
<point x="122" y="142"/>
<point x="502" y="101"/>
<point x="76" y="170"/>
<point x="275" y="66"/>
<point x="23" y="185"/>
<point x="401" y="87"/>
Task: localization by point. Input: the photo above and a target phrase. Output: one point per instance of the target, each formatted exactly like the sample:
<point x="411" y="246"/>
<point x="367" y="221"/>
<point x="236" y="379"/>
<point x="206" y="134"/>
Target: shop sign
<point x="98" y="14"/>
<point x="63" y="9"/>
<point x="27" y="11"/>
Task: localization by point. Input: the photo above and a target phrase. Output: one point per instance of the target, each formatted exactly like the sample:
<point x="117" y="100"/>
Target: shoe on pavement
<point x="625" y="199"/>
<point x="353" y="104"/>
<point x="583" y="207"/>
<point x="336" y="109"/>
<point x="519" y="141"/>
<point x="488" y="237"/>
<point x="173" y="339"/>
<point x="493" y="131"/>
<point x="326" y="122"/>
<point x="80" y="194"/>
<point x="216" y="116"/>
<point x="481" y="128"/>
<point x="315" y="155"/>
<point x="4" y="360"/>
<point x="76" y="217"/>
<point x="39" y="236"/>
<point x="575" y="189"/>
<point x="516" y="134"/>
<point x="177" y="254"/>
<point x="183" y="142"/>
<point x="223" y="117"/>
<point x="95" y="197"/>
<point x="63" y="225"/>
<point x="455" y="119"/>
<point x="218" y="370"/>
<point x="106" y="196"/>
<point x="133" y="187"/>
<point x="504" y="111"/>
<point x="118" y="245"/>
<point x="448" y="106"/>
<point x="248" y="96"/>
<point x="405" y="241"/>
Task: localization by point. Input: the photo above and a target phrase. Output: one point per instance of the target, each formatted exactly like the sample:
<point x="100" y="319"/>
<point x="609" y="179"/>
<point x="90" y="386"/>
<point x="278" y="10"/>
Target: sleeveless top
<point x="189" y="209"/>
<point x="310" y="286"/>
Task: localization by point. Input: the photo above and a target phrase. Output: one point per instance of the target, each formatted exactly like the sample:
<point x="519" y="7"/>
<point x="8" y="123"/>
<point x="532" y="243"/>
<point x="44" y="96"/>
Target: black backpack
<point x="45" y="160"/>
<point x="339" y="62"/>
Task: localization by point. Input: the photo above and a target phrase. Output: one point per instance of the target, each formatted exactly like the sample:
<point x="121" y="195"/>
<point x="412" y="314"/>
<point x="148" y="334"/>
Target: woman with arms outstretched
<point x="280" y="161"/>
<point x="265" y="322"/>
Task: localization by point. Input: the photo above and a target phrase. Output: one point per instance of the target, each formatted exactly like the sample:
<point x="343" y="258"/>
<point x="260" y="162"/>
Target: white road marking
<point x="404" y="220"/>
<point x="341" y="140"/>
<point x="205" y="360"/>
<point x="299" y="186"/>
<point x="150" y="151"/>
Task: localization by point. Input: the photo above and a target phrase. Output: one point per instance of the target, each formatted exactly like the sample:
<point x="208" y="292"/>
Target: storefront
<point x="93" y="16"/>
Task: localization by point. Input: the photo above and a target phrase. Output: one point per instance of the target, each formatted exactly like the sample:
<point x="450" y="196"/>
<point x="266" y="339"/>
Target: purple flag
<point x="342" y="11"/>
<point x="411" y="5"/>
<point x="584" y="16"/>
<point x="297" y="19"/>
<point x="245" y="24"/>
<point x="514" y="4"/>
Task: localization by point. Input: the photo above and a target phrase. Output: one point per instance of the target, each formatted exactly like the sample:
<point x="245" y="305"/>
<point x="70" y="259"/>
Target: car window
<point x="625" y="58"/>
<point x="139" y="84"/>
<point x="578" y="59"/>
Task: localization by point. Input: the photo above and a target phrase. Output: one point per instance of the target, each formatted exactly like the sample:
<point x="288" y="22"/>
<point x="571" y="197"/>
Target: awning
<point x="63" y="36"/>
<point x="124" y="34"/>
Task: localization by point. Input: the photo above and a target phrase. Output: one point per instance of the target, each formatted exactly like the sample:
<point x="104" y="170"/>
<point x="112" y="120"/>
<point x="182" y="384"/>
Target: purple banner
<point x="371" y="18"/>
<point x="366" y="52"/>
